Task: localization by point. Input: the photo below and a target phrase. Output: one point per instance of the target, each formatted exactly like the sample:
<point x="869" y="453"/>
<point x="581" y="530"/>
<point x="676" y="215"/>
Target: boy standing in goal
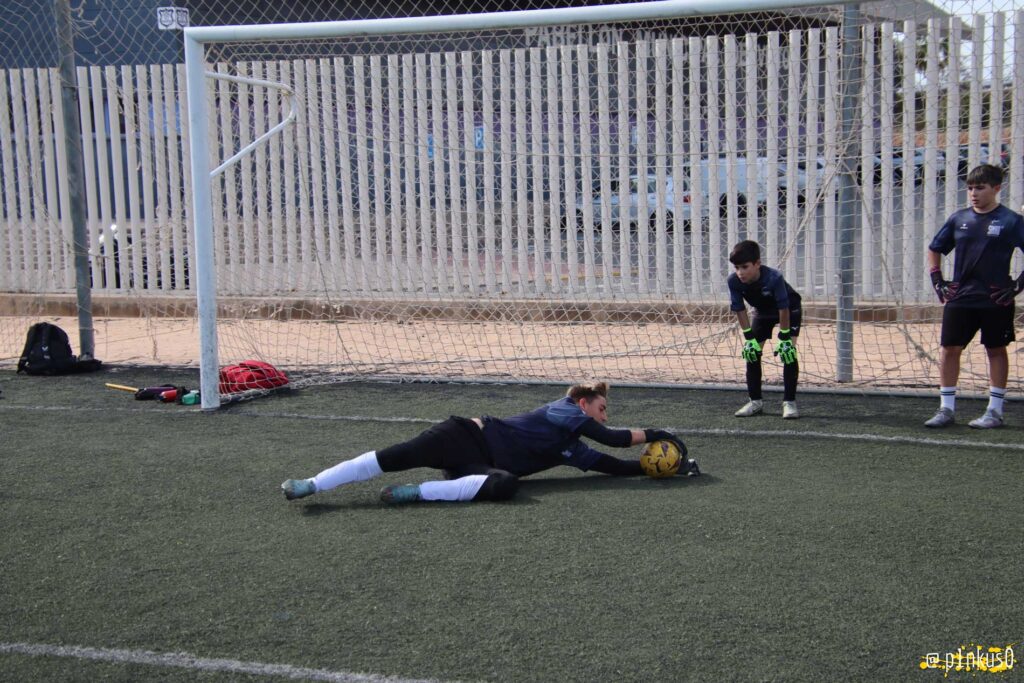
<point x="483" y="458"/>
<point x="774" y="302"/>
<point x="981" y="294"/>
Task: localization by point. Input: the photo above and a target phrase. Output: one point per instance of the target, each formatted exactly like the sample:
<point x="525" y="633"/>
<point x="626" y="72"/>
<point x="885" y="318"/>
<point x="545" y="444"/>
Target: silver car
<point x="657" y="204"/>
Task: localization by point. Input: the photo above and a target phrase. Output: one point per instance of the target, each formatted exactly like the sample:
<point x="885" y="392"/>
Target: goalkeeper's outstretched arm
<point x="620" y="438"/>
<point x="617" y="467"/>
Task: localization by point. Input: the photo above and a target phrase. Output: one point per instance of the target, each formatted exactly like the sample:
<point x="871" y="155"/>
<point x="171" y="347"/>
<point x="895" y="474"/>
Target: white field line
<point x="183" y="660"/>
<point x="682" y="431"/>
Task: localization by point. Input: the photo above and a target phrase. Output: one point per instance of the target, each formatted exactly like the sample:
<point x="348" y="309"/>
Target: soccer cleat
<point x="942" y="418"/>
<point x="400" y="493"/>
<point x="789" y="410"/>
<point x="990" y="420"/>
<point x="298" y="488"/>
<point x="752" y="407"/>
<point x="690" y="468"/>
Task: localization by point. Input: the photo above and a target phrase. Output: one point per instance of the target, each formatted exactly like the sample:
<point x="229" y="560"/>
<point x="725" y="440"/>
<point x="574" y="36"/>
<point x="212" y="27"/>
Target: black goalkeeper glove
<point x="945" y="290"/>
<point x="785" y="349"/>
<point x="1004" y="296"/>
<point x="664" y="435"/>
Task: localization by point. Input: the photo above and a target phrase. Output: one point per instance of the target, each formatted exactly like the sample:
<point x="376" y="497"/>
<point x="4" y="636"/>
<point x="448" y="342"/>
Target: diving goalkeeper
<point x="483" y="458"/>
<point x="774" y="302"/>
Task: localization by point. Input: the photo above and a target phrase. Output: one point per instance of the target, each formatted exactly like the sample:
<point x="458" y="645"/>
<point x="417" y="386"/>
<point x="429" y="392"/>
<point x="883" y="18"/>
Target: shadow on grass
<point x="530" y="491"/>
<point x="315" y="509"/>
<point x="556" y="485"/>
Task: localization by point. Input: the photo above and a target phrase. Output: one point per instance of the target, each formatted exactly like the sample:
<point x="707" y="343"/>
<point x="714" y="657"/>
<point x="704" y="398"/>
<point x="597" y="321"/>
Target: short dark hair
<point x="986" y="174"/>
<point x="746" y="251"/>
<point x="588" y="391"/>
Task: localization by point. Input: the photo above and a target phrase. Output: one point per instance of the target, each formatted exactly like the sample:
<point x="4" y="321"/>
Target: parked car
<point x="803" y="169"/>
<point x="745" y="195"/>
<point x="663" y="203"/>
<point x="115" y="244"/>
<point x="963" y="165"/>
<point x="917" y="167"/>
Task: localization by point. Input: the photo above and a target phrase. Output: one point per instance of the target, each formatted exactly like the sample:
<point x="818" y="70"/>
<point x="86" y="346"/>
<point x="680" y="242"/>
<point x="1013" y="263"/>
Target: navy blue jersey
<point x="769" y="294"/>
<point x="984" y="244"/>
<point x="540" y="439"/>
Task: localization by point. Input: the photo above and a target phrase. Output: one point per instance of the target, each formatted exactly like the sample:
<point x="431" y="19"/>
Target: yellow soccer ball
<point x="660" y="459"/>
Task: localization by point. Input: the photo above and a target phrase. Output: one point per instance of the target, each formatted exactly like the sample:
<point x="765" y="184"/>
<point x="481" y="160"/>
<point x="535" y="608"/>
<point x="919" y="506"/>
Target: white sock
<point x="996" y="396"/>
<point x="359" y="468"/>
<point x="947" y="396"/>
<point x="463" y="488"/>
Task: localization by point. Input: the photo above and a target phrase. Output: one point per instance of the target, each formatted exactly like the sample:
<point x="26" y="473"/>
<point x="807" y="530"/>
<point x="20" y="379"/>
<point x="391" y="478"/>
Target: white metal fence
<point x="485" y="239"/>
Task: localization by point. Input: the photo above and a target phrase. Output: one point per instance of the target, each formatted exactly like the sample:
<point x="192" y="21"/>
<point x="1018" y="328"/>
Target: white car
<point x="658" y="203"/>
<point x="746" y="195"/>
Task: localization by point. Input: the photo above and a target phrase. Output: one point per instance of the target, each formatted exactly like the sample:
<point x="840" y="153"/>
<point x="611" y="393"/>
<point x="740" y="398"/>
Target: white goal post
<point x="198" y="107"/>
<point x="551" y="194"/>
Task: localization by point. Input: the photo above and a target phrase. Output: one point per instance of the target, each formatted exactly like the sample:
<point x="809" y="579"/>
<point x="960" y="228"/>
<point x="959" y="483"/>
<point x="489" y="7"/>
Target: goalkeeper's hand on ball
<point x="665" y="435"/>
<point x="785" y="349"/>
<point x="751" y="347"/>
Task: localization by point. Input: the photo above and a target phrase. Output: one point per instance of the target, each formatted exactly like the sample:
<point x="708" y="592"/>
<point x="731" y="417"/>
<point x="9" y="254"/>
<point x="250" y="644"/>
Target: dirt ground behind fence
<point x="886" y="356"/>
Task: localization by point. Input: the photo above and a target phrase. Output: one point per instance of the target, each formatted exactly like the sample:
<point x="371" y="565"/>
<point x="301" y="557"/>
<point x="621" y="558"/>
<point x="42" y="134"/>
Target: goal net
<point x="553" y="195"/>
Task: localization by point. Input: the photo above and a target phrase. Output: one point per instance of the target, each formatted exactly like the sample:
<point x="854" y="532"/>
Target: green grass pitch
<point x="842" y="546"/>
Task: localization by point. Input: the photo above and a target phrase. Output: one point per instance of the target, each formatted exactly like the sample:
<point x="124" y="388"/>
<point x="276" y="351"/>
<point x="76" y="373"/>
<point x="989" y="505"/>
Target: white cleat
<point x="990" y="420"/>
<point x="789" y="410"/>
<point x="943" y="418"/>
<point x="750" y="409"/>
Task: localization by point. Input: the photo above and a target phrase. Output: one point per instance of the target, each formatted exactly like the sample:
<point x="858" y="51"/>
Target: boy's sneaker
<point x="989" y="420"/>
<point x="942" y="418"/>
<point x="690" y="468"/>
<point x="751" y="408"/>
<point x="789" y="410"/>
<point x="400" y="493"/>
<point x="298" y="488"/>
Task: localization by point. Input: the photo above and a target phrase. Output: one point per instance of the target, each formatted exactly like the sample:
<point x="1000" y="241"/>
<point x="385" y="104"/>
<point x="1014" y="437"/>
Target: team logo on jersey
<point x="994" y="228"/>
<point x="963" y="226"/>
<point x="566" y="453"/>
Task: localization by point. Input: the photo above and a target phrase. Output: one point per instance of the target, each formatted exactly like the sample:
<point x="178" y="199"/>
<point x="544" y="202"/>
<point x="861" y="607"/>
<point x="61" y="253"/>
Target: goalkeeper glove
<point x="946" y="291"/>
<point x="785" y="349"/>
<point x="1004" y="296"/>
<point x="751" y="348"/>
<point x="664" y="435"/>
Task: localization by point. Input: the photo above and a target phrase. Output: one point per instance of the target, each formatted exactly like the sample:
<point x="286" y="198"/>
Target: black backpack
<point x="48" y="352"/>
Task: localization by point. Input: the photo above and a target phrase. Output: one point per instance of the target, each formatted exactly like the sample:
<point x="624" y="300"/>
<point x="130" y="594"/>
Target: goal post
<point x="550" y="194"/>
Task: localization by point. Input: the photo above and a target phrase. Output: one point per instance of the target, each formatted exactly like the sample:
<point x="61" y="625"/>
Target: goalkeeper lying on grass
<point x="483" y="458"/>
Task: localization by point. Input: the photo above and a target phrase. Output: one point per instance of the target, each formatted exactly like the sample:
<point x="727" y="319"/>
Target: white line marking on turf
<point x="910" y="440"/>
<point x="183" y="660"/>
<point x="914" y="441"/>
<point x="697" y="432"/>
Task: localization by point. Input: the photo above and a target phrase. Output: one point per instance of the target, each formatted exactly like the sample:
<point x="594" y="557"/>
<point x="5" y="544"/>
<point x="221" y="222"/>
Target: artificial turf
<point x="797" y="556"/>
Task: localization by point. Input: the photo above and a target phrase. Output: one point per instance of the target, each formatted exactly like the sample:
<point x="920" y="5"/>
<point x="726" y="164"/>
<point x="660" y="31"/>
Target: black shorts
<point x="762" y="325"/>
<point x="961" y="323"/>
<point x="454" y="444"/>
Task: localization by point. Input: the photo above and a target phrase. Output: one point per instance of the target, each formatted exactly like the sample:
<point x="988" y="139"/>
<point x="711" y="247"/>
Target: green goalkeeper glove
<point x="785" y="349"/>
<point x="751" y="348"/>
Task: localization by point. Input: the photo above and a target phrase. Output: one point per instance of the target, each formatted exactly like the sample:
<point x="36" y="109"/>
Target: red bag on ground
<point x="250" y="374"/>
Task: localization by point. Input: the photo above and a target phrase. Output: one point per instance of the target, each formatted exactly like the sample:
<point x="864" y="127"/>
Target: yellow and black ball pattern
<point x="660" y="459"/>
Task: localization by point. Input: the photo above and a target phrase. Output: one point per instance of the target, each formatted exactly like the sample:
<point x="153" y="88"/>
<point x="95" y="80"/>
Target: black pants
<point x="456" y="446"/>
<point x="762" y="327"/>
